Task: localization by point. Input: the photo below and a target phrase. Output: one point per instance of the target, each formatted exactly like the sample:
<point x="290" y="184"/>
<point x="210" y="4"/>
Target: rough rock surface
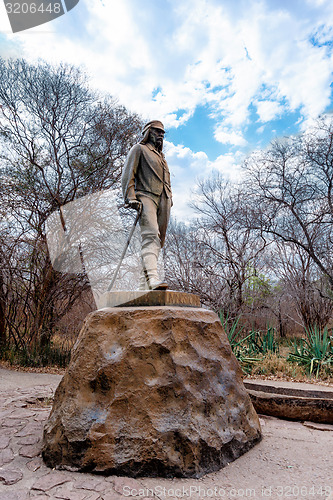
<point x="152" y="391"/>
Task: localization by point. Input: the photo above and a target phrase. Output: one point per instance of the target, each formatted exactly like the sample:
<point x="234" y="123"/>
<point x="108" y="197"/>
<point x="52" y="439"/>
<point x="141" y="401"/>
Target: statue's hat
<point x="153" y="124"/>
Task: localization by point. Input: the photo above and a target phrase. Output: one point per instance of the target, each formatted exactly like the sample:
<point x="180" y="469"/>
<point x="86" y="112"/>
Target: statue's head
<point x="153" y="132"/>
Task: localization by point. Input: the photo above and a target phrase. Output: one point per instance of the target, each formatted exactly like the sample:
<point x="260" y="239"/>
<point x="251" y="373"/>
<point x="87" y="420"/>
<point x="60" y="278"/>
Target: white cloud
<point x="292" y="68"/>
<point x="268" y="110"/>
<point x="229" y="165"/>
<point x="225" y="136"/>
<point x="260" y="130"/>
<point x="188" y="168"/>
<point x="197" y="52"/>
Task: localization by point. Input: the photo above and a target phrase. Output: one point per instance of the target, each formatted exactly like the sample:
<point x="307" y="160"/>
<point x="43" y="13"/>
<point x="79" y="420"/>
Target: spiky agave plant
<point x="263" y="342"/>
<point x="315" y="351"/>
<point x="238" y="345"/>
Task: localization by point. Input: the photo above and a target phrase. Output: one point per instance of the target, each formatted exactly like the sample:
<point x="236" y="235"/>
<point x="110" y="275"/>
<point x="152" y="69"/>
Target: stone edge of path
<point x="292" y="400"/>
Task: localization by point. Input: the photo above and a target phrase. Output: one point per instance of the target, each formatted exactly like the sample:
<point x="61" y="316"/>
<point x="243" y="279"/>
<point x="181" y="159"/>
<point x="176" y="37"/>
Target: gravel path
<point x="293" y="460"/>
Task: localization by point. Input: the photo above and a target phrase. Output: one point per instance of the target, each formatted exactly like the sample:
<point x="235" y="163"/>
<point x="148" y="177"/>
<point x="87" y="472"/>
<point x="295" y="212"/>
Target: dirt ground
<point x="293" y="460"/>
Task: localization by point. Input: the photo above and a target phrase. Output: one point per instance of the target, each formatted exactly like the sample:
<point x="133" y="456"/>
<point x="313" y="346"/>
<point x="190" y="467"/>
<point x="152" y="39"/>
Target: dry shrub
<point x="273" y="367"/>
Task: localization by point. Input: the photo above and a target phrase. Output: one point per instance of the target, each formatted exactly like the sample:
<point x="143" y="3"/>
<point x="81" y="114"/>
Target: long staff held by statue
<point x="138" y="215"/>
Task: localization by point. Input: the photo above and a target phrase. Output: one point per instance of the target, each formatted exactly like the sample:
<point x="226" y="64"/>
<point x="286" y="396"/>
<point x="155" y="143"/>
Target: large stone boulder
<point x="152" y="391"/>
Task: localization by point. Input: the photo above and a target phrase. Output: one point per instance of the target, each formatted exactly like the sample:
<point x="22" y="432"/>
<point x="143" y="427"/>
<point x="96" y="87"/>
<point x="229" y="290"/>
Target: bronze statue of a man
<point x="146" y="186"/>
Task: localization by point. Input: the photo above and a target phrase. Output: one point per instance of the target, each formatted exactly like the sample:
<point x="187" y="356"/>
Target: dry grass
<point x="53" y="370"/>
<point x="275" y="367"/>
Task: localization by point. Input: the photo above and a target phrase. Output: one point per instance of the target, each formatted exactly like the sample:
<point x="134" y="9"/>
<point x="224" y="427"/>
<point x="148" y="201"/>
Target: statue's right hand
<point x="135" y="204"/>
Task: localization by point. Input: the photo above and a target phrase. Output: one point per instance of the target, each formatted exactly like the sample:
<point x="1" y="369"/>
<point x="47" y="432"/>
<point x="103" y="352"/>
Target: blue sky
<point x="225" y="76"/>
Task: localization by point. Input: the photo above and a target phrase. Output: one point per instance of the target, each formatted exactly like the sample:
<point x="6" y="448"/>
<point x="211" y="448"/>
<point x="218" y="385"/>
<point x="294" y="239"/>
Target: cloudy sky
<point x="225" y="76"/>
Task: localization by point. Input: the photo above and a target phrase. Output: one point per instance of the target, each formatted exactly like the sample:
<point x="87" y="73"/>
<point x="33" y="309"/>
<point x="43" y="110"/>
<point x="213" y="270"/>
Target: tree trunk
<point x="2" y="314"/>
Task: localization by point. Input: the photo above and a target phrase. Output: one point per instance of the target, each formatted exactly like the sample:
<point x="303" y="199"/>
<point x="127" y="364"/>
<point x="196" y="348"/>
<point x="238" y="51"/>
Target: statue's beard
<point x="159" y="144"/>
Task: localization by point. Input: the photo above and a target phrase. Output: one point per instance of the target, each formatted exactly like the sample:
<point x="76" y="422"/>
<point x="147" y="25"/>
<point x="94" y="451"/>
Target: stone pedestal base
<point x="148" y="298"/>
<point x="152" y="391"/>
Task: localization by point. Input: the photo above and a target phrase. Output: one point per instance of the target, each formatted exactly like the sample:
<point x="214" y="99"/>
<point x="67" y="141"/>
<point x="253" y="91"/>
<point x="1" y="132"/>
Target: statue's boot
<point x="143" y="282"/>
<point x="151" y="278"/>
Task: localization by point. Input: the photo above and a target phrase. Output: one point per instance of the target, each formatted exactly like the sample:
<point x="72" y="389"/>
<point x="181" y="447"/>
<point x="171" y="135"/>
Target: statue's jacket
<point x="145" y="171"/>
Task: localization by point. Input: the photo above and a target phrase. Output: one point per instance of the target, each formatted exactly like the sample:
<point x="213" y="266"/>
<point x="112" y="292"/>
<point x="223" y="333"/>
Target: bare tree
<point x="191" y="266"/>
<point x="58" y="141"/>
<point x="305" y="286"/>
<point x="2" y="296"/>
<point x="264" y="247"/>
<point x="289" y="187"/>
<point x="230" y="241"/>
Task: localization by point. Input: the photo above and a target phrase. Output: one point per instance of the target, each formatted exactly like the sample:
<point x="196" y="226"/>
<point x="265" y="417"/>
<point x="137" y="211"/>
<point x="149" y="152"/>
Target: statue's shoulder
<point x="134" y="153"/>
<point x="137" y="148"/>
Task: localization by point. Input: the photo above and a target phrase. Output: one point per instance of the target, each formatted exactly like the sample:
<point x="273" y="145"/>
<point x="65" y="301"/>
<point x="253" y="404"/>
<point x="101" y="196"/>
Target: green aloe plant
<point x="233" y="331"/>
<point x="238" y="345"/>
<point x="315" y="351"/>
<point x="263" y="342"/>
